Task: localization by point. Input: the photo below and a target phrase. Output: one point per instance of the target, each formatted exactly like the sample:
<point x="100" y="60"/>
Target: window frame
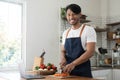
<point x="23" y="33"/>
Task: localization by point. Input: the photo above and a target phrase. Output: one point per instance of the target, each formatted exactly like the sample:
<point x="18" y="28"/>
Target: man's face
<point x="72" y="18"/>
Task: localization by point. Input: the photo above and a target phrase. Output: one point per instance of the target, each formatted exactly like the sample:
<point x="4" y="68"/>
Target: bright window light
<point x="10" y="33"/>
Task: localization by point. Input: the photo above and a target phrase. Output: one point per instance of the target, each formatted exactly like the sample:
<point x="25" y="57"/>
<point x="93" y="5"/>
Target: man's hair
<point x="74" y="8"/>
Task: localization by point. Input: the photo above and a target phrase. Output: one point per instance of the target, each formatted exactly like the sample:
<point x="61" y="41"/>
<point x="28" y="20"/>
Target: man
<point x="78" y="44"/>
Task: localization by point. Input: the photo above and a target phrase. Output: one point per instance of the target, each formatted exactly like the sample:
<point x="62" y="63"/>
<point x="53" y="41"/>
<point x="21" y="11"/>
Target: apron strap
<point x="68" y="32"/>
<point x="82" y="30"/>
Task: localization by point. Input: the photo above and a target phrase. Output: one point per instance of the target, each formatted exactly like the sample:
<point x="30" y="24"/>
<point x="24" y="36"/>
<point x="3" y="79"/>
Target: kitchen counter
<point x="16" y="76"/>
<point x="104" y="68"/>
<point x="69" y="78"/>
<point x="100" y="68"/>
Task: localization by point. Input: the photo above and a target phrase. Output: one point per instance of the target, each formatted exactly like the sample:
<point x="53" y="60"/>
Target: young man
<point x="78" y="44"/>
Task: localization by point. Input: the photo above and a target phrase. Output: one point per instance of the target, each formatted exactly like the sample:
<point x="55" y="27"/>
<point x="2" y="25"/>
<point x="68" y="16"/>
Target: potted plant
<point x="63" y="13"/>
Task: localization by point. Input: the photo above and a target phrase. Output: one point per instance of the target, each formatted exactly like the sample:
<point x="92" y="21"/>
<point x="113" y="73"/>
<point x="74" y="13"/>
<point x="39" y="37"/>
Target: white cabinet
<point x="102" y="74"/>
<point x="116" y="74"/>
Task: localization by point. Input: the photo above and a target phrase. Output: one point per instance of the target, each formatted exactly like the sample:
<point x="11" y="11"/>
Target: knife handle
<point x="42" y="54"/>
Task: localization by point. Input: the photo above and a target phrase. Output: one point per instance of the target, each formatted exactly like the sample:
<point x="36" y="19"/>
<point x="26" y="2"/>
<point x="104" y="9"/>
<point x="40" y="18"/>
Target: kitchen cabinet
<point x="102" y="74"/>
<point x="116" y="74"/>
<point x="101" y="29"/>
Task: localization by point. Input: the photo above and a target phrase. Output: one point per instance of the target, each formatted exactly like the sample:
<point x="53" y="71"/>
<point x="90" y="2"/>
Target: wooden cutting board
<point x="51" y="77"/>
<point x="60" y="77"/>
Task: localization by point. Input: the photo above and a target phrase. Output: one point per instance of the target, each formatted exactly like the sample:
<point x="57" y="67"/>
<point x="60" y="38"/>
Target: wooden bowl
<point x="45" y="72"/>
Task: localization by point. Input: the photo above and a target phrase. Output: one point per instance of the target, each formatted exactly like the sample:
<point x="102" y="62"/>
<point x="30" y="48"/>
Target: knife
<point x="43" y="53"/>
<point x="61" y="69"/>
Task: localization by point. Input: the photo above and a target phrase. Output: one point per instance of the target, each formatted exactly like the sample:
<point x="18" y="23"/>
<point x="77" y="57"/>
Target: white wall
<point x="42" y="30"/>
<point x="104" y="12"/>
<point x="114" y="6"/>
<point x="114" y="12"/>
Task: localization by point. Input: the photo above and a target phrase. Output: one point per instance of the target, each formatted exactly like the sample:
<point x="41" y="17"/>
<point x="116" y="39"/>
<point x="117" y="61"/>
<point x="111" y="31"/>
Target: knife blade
<point x="61" y="69"/>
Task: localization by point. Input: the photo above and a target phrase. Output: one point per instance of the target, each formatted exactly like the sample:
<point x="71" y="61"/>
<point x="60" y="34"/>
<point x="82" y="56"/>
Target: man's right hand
<point x="62" y="62"/>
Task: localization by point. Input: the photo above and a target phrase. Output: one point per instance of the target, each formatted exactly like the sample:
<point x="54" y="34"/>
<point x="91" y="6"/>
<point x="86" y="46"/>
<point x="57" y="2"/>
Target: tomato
<point x="42" y="66"/>
<point x="48" y="67"/>
<point x="54" y="68"/>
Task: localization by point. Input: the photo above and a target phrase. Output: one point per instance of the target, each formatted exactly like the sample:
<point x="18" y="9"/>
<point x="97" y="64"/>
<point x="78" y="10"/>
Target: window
<point x="11" y="22"/>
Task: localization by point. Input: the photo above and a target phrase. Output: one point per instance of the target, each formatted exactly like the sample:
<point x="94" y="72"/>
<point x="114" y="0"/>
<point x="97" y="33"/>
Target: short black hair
<point x="74" y="7"/>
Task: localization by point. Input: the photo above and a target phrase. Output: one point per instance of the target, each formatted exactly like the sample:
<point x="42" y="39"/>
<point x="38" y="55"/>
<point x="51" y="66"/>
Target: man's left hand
<point x="68" y="68"/>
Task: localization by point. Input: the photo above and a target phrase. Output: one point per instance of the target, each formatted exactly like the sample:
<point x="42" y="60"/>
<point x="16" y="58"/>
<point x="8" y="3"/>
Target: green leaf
<point x="37" y="67"/>
<point x="49" y="64"/>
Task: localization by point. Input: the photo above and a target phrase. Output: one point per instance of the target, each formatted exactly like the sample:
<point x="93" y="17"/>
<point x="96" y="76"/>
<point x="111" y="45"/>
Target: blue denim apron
<point x="74" y="50"/>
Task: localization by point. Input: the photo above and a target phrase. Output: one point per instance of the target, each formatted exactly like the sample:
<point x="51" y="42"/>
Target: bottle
<point x="114" y="36"/>
<point x="118" y="48"/>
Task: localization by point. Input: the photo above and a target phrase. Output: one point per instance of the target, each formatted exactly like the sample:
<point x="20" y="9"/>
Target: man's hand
<point x="69" y="67"/>
<point x="63" y="62"/>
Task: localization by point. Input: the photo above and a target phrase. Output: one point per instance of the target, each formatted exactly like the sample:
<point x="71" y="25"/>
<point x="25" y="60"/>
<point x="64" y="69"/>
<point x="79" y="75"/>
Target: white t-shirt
<point x="88" y="35"/>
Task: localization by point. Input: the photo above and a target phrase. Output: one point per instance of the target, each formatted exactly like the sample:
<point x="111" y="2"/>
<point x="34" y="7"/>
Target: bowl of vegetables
<point x="48" y="69"/>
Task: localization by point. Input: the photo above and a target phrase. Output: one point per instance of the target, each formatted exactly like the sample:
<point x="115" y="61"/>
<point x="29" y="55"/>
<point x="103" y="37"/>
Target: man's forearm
<point x="63" y="54"/>
<point x="83" y="58"/>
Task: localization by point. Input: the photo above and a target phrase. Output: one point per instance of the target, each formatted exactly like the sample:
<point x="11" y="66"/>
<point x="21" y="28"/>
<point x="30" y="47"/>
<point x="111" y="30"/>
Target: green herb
<point x="37" y="67"/>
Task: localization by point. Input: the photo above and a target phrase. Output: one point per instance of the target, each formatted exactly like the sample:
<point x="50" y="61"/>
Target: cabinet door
<point x="95" y="73"/>
<point x="116" y="74"/>
<point x="109" y="75"/>
<point x="102" y="74"/>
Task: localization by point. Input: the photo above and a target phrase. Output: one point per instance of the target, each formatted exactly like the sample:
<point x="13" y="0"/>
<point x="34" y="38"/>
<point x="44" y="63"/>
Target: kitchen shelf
<point x="81" y="21"/>
<point x="110" y="32"/>
<point x="112" y="41"/>
<point x="106" y="65"/>
<point x="113" y="24"/>
<point x="101" y="29"/>
<point x="84" y="21"/>
<point x="110" y="45"/>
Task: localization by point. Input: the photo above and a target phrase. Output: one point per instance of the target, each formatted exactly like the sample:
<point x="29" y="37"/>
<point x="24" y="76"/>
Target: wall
<point x="102" y="39"/>
<point x="42" y="30"/>
<point x="114" y="12"/>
